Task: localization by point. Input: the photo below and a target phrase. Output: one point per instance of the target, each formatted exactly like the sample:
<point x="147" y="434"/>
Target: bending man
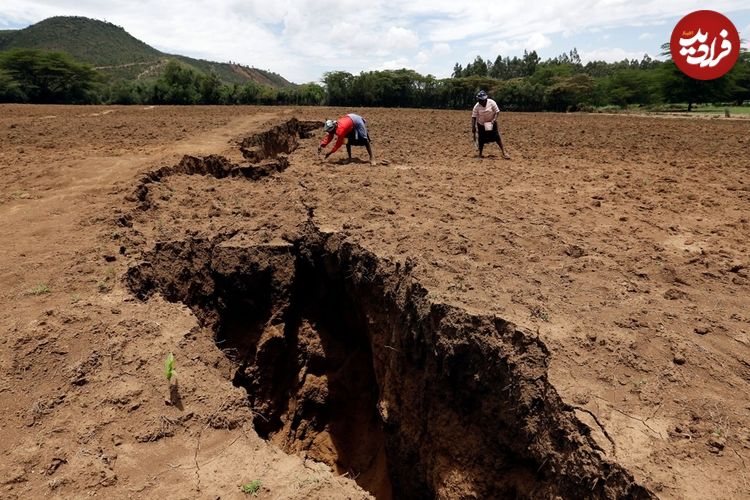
<point x="350" y="129"/>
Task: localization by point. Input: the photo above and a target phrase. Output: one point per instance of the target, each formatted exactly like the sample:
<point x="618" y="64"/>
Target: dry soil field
<point x="574" y="322"/>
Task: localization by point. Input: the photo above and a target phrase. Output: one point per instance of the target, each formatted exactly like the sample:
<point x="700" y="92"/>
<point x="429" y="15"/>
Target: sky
<point x="302" y="39"/>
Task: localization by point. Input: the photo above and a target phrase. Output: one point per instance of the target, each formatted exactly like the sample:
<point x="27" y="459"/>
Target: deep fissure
<point x="265" y="152"/>
<point x="310" y="377"/>
<point x="347" y="361"/>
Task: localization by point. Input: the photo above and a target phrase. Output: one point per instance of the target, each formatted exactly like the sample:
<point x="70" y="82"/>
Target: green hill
<point x="235" y="73"/>
<point x="113" y="51"/>
<point x="5" y="35"/>
<point x="95" y="42"/>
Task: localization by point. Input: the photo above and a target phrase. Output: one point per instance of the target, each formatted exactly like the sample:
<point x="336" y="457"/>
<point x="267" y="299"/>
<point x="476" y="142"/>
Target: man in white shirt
<point x="485" y="114"/>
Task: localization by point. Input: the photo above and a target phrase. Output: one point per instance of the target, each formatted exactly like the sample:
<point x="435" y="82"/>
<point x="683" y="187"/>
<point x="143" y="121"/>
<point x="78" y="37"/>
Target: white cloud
<point x="301" y="39"/>
<point x="538" y="41"/>
<point x="517" y="18"/>
<point x="399" y="63"/>
<point x="441" y="49"/>
<point x="401" y="38"/>
<point x="645" y="36"/>
<point x="609" y="55"/>
<point x="535" y="41"/>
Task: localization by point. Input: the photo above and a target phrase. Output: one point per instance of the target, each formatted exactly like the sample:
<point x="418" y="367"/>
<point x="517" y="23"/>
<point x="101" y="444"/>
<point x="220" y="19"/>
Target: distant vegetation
<point x="119" y="56"/>
<point x="5" y="35"/>
<point x="79" y="60"/>
<point x="527" y="83"/>
<point x="35" y="76"/>
<point x="46" y="77"/>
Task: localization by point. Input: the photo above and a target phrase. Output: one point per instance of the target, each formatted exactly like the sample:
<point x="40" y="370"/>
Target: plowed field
<point x="574" y="321"/>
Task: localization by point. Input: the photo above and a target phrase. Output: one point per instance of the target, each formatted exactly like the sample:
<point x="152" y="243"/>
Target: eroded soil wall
<point x="345" y="359"/>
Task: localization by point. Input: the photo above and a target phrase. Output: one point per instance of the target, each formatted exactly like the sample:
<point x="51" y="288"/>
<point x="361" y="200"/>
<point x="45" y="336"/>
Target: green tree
<point x="49" y="77"/>
<point x="178" y="85"/>
<point x="499" y="69"/>
<point x="477" y="68"/>
<point x="210" y="88"/>
<point x="338" y="86"/>
<point x="249" y="93"/>
<point x="677" y="87"/>
<point x="519" y="94"/>
<point x="10" y="90"/>
<point x="123" y="92"/>
<point x="740" y="79"/>
<point x="405" y="86"/>
<point x="547" y="73"/>
<point x="311" y="94"/>
<point x="268" y="95"/>
<point x="529" y="62"/>
<point x="575" y="59"/>
<point x="629" y="86"/>
<point x="569" y="93"/>
<point x="229" y="94"/>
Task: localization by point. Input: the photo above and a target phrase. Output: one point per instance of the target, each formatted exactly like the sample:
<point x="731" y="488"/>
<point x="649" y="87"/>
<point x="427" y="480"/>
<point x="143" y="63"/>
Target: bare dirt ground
<point x="574" y="320"/>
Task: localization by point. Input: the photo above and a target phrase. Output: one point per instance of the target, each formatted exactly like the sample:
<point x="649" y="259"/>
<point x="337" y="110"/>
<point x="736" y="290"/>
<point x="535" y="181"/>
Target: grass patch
<point x="733" y="110"/>
<point x="697" y="109"/>
<point x="251" y="488"/>
<point x="39" y="289"/>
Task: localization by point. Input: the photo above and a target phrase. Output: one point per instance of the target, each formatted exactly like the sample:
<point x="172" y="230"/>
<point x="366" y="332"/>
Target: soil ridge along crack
<point x="266" y="153"/>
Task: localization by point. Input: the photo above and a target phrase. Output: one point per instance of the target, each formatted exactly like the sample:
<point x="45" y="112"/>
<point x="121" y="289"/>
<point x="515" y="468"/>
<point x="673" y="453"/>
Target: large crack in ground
<point x="266" y="153"/>
<point x="280" y="139"/>
<point x="347" y="361"/>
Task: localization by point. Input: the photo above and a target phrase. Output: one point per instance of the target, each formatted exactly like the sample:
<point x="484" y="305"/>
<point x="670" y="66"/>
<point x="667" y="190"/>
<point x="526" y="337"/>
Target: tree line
<point x="526" y="83"/>
<point x="565" y="83"/>
<point x="34" y="76"/>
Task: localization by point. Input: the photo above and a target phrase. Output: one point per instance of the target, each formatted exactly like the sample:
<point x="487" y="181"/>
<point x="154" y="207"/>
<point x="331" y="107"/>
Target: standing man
<point x="485" y="113"/>
<point x="350" y="129"/>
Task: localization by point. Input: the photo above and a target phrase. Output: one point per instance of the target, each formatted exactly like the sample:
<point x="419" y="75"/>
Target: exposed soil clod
<point x="281" y="139"/>
<point x="346" y="359"/>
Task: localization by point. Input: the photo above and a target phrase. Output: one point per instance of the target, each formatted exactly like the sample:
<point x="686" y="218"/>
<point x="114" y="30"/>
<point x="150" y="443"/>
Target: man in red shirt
<point x="350" y="129"/>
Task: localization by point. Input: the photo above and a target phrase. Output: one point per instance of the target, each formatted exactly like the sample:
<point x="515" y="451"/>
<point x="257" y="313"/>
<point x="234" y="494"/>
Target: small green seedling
<point x="251" y="488"/>
<point x="169" y="371"/>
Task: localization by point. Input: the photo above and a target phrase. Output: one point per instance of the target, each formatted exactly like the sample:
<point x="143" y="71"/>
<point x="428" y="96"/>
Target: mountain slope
<point x="113" y="51"/>
<point x="5" y="35"/>
<point x="94" y="42"/>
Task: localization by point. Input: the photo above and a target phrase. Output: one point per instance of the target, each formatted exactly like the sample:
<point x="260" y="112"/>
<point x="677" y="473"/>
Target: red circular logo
<point x="705" y="45"/>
